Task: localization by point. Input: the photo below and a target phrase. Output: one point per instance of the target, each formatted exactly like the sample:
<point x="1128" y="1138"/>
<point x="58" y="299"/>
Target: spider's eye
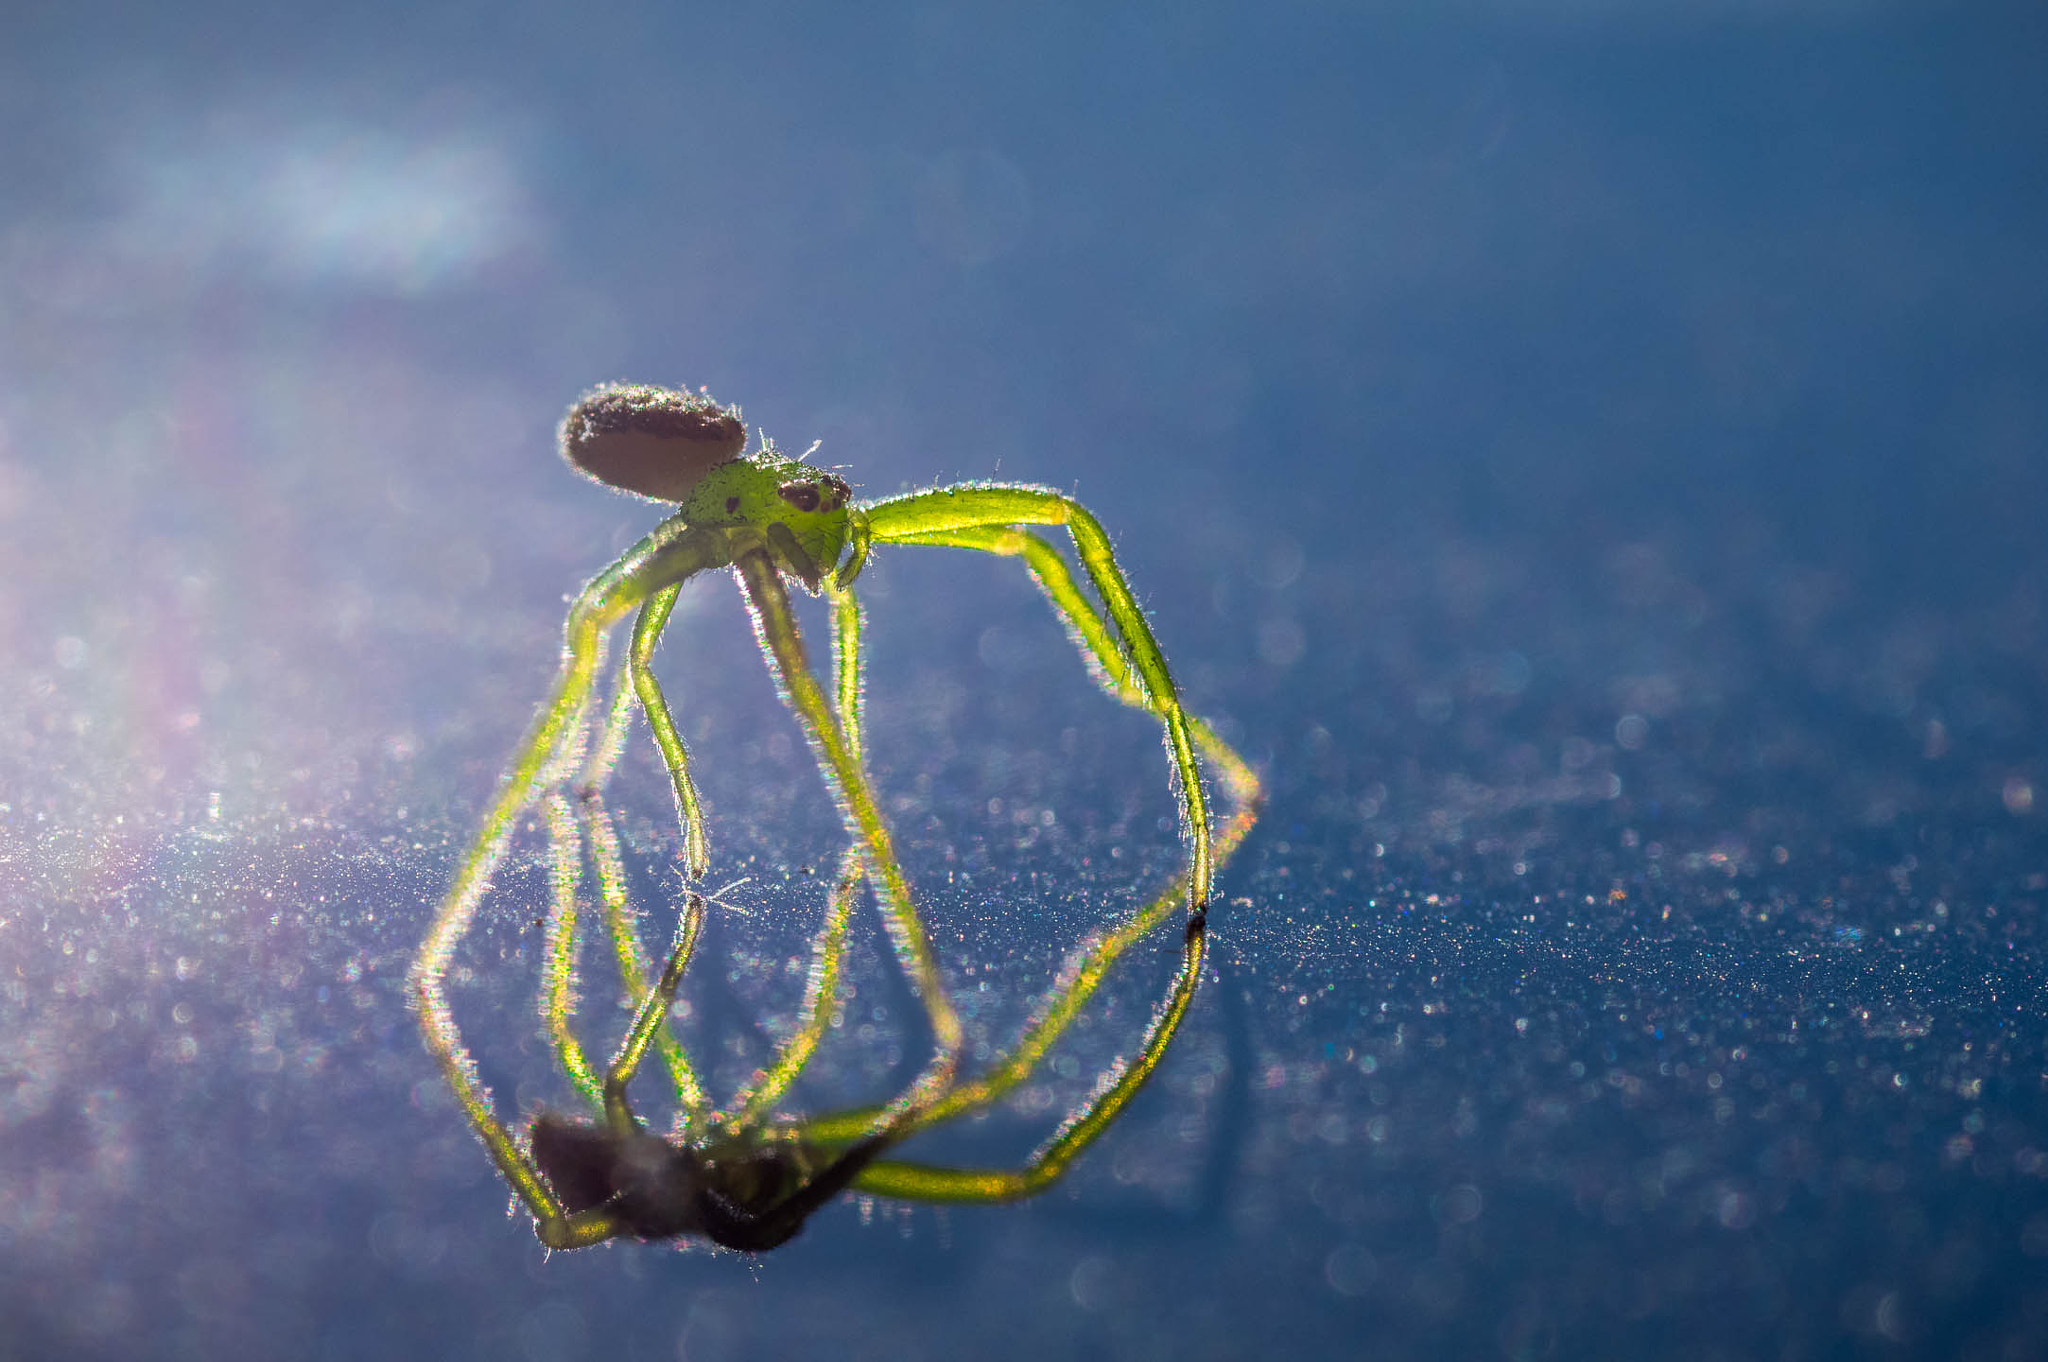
<point x="837" y="493"/>
<point x="802" y="495"/>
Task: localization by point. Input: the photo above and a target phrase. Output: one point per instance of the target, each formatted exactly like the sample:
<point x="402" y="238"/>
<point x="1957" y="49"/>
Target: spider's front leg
<point x="964" y="516"/>
<point x="755" y="1102"/>
<point x="753" y="1105"/>
<point x="838" y="760"/>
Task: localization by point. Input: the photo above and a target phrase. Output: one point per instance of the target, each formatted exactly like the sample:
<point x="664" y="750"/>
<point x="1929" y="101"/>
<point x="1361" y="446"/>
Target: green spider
<point x="745" y="1176"/>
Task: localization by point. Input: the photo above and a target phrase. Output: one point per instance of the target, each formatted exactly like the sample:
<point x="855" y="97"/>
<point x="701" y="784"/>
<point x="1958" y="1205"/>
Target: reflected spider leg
<point x="621" y="922"/>
<point x="756" y="1100"/>
<point x="552" y="742"/>
<point x="613" y="1178"/>
<point x="744" y="1177"/>
<point x="1091" y="961"/>
<point x="694" y="1106"/>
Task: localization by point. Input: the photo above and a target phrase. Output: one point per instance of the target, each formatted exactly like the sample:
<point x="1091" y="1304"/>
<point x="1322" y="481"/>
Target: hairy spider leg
<point x="1083" y="970"/>
<point x="565" y="851"/>
<point x="647" y="631"/>
<point x="558" y="956"/>
<point x="670" y="553"/>
<point x="558" y="947"/>
<point x="989" y="515"/>
<point x="636" y="687"/>
<point x="621" y="921"/>
<point x="648" y="1019"/>
<point x="566" y="1230"/>
<point x="839" y="760"/>
<point x="1086" y="966"/>
<point x="758" y="1098"/>
<point x="931" y="515"/>
<point x="754" y="1103"/>
<point x="1089" y="962"/>
<point x="769" y="1084"/>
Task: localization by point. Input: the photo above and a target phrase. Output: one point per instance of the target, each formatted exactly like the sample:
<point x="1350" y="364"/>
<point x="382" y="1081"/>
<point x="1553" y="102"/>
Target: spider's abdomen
<point x="658" y="442"/>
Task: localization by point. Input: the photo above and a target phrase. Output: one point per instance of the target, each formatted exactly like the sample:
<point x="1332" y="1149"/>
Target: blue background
<point x="1589" y="456"/>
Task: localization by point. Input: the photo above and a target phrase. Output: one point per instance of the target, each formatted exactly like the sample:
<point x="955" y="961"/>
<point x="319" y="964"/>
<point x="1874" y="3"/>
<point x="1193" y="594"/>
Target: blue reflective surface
<point x="1591" y="462"/>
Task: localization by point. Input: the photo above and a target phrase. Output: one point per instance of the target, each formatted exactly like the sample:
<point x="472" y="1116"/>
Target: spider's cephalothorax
<point x="746" y="1176"/>
<point x="682" y="447"/>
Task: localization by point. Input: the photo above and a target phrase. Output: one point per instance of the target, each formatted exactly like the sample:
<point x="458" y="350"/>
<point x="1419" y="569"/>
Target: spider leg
<point x="552" y="745"/>
<point x="814" y="1015"/>
<point x="558" y="951"/>
<point x="839" y="762"/>
<point x="647" y="1021"/>
<point x="646" y="633"/>
<point x="1090" y="962"/>
<point x="585" y="1175"/>
<point x="821" y="986"/>
<point x="937" y="517"/>
<point x="638" y="685"/>
<point x="558" y="958"/>
<point x="621" y="921"/>
<point x="1097" y="643"/>
<point x="929" y="1182"/>
<point x="753" y="1103"/>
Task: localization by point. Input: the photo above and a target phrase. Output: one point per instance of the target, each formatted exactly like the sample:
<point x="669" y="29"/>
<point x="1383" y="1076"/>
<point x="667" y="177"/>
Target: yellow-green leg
<point x="552" y="745"/>
<point x="758" y="1099"/>
<point x="753" y="1104"/>
<point x="821" y="986"/>
<point x="1091" y="961"/>
<point x="646" y="633"/>
<point x="597" y="1224"/>
<point x="650" y="1019"/>
<point x="558" y="957"/>
<point x="933" y="516"/>
<point x="639" y="684"/>
<point x="558" y="948"/>
<point x="775" y="626"/>
<point x="621" y="921"/>
<point x="1078" y="978"/>
<point x="1096" y="642"/>
<point x="928" y="1182"/>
